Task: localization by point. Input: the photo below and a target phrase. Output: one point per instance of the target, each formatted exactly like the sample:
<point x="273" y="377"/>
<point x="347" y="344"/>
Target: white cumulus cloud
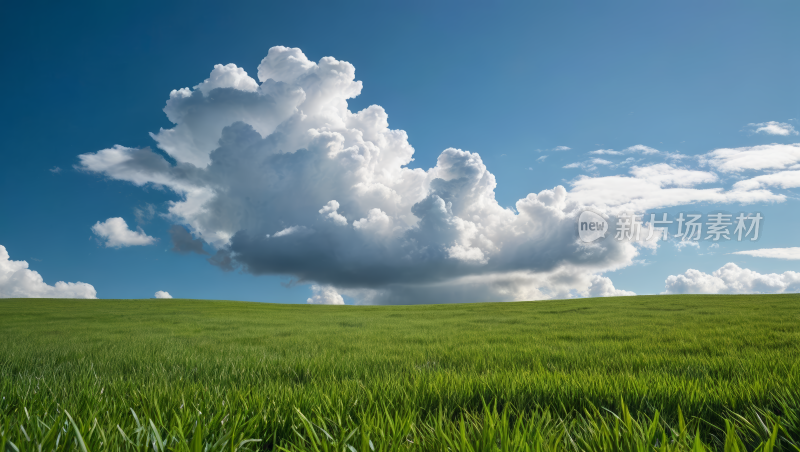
<point x="731" y="279"/>
<point x="227" y="76"/>
<point x="603" y="287"/>
<point x="162" y="294"/>
<point x="17" y="281"/>
<point x="324" y="295"/>
<point x="116" y="234"/>
<point x="329" y="211"/>
<point x="280" y="177"/>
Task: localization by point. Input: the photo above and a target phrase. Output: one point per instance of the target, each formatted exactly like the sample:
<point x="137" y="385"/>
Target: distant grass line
<point x="634" y="373"/>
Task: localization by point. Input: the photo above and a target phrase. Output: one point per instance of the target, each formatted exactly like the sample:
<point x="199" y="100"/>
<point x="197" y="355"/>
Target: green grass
<point x="638" y="373"/>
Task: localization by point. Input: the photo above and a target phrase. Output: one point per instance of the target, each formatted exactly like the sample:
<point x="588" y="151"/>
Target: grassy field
<point x="637" y="373"/>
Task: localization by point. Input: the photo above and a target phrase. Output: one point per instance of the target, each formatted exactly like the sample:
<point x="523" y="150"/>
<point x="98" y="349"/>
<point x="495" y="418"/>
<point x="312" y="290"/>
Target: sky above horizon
<point x="381" y="153"/>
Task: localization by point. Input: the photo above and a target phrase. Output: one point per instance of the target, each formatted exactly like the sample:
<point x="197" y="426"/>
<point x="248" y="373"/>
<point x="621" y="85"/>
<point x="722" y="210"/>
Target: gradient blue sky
<point x="505" y="80"/>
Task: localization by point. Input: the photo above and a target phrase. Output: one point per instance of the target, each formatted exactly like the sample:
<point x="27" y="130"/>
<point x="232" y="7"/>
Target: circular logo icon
<point x="591" y="226"/>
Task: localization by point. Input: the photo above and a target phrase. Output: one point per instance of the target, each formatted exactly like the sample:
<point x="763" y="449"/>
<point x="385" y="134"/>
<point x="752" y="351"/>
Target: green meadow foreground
<point x="638" y="373"/>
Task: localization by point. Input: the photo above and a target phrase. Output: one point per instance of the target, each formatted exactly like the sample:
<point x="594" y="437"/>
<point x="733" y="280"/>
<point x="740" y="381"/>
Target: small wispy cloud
<point x="301" y="230"/>
<point x="589" y="165"/>
<point x="55" y="170"/>
<point x="681" y="244"/>
<point x="767" y="157"/>
<point x="772" y="128"/>
<point x="675" y="155"/>
<point x="774" y="253"/>
<point x="627" y="162"/>
<point x="541" y="159"/>
<point x="144" y="214"/>
<point x="640" y="148"/>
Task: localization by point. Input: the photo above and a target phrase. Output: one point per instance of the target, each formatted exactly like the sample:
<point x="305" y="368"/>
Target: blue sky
<point x="508" y="81"/>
